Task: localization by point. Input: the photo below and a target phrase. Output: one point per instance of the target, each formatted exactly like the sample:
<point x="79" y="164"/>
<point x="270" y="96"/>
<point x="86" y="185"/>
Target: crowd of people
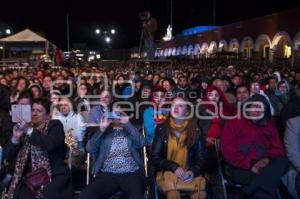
<point x="188" y="118"/>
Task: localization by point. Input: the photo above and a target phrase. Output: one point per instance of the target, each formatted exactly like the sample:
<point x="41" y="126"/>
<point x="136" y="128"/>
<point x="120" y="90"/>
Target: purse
<point x="198" y="184"/>
<point x="37" y="180"/>
<point x="167" y="181"/>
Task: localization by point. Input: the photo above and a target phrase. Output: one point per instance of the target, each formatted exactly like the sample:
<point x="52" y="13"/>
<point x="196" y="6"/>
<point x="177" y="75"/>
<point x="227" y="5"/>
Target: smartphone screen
<point x="19" y="111"/>
<point x="113" y="115"/>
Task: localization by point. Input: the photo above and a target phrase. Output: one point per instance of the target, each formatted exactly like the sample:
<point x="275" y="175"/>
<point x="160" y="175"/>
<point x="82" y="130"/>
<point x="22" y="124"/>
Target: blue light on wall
<point x="197" y="29"/>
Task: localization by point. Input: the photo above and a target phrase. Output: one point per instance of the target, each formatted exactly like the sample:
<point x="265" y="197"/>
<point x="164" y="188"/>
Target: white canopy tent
<point x="26" y="36"/>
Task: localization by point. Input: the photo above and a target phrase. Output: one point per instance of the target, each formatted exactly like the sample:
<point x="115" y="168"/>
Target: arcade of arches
<point x="264" y="47"/>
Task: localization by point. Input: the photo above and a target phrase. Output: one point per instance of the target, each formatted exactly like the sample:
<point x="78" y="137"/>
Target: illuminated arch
<point x="234" y="45"/>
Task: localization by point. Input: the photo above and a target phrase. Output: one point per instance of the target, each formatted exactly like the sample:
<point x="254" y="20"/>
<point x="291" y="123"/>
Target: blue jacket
<point x="99" y="146"/>
<point x="150" y="124"/>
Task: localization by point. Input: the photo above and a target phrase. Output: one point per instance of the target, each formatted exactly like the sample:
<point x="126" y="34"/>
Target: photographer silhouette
<point x="149" y="27"/>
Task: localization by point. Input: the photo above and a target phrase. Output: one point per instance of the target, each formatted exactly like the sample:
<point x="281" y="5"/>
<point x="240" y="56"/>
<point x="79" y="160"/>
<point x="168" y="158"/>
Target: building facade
<point x="271" y="37"/>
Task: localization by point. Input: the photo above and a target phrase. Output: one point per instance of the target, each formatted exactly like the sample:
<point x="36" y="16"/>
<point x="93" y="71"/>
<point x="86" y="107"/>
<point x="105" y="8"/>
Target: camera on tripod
<point x="144" y="16"/>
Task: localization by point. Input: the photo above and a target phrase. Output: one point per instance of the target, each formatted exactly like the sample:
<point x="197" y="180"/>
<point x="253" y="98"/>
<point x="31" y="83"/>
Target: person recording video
<point x="37" y="150"/>
<point x="117" y="162"/>
<point x="149" y="28"/>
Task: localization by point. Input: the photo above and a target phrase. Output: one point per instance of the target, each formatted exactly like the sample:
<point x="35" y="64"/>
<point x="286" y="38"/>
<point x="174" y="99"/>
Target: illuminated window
<point x="287" y="51"/>
<point x="250" y="52"/>
<point x="235" y="50"/>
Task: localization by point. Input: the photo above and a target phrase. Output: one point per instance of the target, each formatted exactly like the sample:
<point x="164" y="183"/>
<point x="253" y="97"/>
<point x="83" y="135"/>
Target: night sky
<point x="49" y="17"/>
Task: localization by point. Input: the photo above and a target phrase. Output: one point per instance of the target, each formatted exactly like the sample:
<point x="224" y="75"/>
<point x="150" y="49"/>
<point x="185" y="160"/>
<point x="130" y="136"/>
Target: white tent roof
<point x="24" y="36"/>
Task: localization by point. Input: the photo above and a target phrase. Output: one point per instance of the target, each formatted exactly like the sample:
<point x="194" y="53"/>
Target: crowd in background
<point x="69" y="106"/>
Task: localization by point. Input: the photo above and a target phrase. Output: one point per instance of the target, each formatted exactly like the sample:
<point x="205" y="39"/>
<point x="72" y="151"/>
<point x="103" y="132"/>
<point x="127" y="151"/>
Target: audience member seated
<point x="38" y="146"/>
<point x="155" y="114"/>
<point x="292" y="145"/>
<point x="117" y="166"/>
<point x="253" y="151"/>
<point x="73" y="123"/>
<point x="211" y="120"/>
<point x="178" y="154"/>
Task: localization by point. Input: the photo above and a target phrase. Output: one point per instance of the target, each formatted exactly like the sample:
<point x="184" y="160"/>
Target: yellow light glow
<point x="287" y="51"/>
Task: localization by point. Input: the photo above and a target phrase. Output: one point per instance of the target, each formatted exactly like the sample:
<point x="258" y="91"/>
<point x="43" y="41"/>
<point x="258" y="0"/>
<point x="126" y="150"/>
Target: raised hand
<point x="18" y="131"/>
<point x="104" y="123"/>
<point x="22" y="125"/>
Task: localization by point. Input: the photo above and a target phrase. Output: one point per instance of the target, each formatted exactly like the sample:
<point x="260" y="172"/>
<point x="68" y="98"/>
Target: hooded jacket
<point x="244" y="142"/>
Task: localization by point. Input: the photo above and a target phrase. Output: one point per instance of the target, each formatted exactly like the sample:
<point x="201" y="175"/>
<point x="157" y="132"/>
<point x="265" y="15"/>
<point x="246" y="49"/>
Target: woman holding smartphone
<point x="38" y="146"/>
<point x="117" y="162"/>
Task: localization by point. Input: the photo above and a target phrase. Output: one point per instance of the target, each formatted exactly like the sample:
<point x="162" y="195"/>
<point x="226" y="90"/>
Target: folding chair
<point x="72" y="144"/>
<point x="3" y="194"/>
<point x="120" y="194"/>
<point x="146" y="160"/>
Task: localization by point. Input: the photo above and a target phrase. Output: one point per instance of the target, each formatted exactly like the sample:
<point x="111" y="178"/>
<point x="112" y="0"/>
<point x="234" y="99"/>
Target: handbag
<point x="168" y="181"/>
<point x="37" y="180"/>
<point x="198" y="184"/>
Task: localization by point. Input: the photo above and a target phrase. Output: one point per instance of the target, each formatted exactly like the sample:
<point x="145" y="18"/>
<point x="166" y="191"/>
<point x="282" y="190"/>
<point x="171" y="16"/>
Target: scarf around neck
<point x="177" y="149"/>
<point x="38" y="159"/>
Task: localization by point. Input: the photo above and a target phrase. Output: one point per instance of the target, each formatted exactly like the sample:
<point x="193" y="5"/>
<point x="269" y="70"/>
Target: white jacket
<point x="73" y="122"/>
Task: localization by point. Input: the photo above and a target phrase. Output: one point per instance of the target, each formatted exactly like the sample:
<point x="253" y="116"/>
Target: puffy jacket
<point x="243" y="143"/>
<point x="196" y="153"/>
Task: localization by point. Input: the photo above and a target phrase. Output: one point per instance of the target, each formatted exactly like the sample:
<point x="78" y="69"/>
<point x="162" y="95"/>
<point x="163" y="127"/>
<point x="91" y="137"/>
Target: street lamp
<point x="106" y="34"/>
<point x="8" y="31"/>
<point x="107" y="39"/>
<point x="4" y="32"/>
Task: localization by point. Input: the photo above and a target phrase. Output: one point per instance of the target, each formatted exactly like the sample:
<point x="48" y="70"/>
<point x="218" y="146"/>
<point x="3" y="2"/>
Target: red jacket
<point x="243" y="143"/>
